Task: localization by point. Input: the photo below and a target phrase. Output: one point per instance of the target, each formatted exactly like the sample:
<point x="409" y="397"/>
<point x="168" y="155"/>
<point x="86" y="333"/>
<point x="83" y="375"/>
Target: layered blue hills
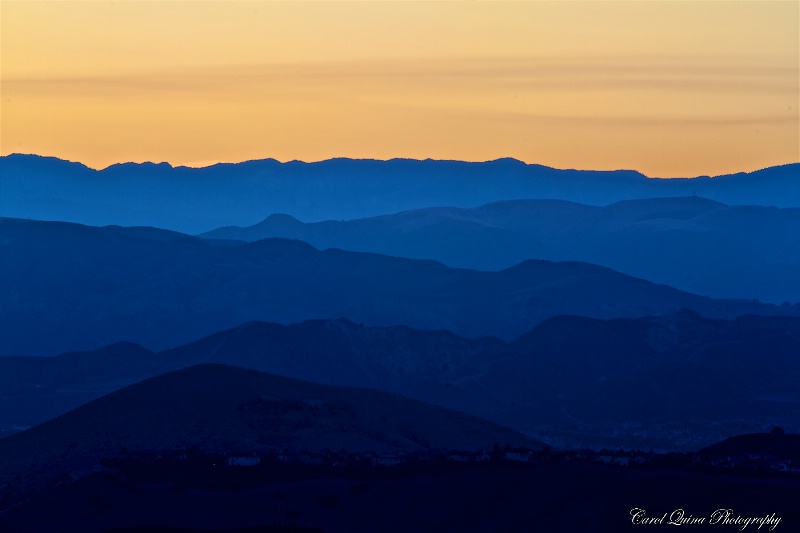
<point x="72" y="287"/>
<point x="692" y="243"/>
<point x="675" y="381"/>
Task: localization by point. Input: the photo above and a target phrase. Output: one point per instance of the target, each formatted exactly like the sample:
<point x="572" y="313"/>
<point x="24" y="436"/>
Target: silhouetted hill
<point x="69" y="287"/>
<point x="775" y="444"/>
<point x="196" y="200"/>
<point x="675" y="382"/>
<point x="416" y="363"/>
<point x="691" y="243"/>
<point x="224" y="409"/>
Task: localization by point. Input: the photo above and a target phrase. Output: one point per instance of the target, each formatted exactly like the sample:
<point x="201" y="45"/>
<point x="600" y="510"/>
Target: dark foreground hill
<point x="69" y="287"/>
<point x="196" y="200"/>
<point x="325" y="351"/>
<point x="675" y="382"/>
<point x="229" y="410"/>
<point x="691" y="243"/>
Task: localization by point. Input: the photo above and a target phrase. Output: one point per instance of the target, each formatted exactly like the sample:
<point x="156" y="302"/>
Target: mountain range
<point x="691" y="243"/>
<point x="678" y="381"/>
<point x="197" y="200"/>
<point x="474" y="308"/>
<point x="148" y="311"/>
<point x="69" y="287"/>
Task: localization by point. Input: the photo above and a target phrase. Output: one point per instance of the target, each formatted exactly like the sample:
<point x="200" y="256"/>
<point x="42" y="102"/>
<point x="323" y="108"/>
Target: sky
<point x="669" y="88"/>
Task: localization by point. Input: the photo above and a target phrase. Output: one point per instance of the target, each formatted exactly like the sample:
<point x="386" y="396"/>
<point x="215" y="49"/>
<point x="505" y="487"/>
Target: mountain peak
<point x="280" y="218"/>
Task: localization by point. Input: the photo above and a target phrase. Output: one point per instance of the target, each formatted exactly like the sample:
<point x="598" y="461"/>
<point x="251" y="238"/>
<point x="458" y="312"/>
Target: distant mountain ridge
<point x="69" y="287"/>
<point x="197" y="200"/>
<point x="691" y="243"/>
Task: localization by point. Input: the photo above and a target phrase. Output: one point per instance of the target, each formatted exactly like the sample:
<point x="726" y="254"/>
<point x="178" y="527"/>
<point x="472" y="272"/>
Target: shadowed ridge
<point x="671" y="204"/>
<point x="692" y="243"/>
<point x="117" y="349"/>
<point x="692" y="367"/>
<point x="113" y="285"/>
<point x="534" y="265"/>
<point x="654" y="371"/>
<point x="768" y="172"/>
<point x="280" y="244"/>
<point x="46" y="162"/>
<point x="41" y="228"/>
<point x="776" y="444"/>
<point x="147" y="232"/>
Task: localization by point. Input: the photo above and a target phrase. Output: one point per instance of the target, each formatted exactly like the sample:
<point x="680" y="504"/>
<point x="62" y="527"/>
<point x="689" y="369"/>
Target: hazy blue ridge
<point x="71" y="287"/>
<point x="197" y="200"/>
<point x="691" y="243"/>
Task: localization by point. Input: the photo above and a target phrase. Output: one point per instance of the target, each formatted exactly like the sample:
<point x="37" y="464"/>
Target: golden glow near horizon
<point x="670" y="88"/>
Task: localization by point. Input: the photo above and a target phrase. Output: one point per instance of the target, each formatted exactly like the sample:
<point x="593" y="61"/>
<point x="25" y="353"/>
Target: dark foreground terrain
<point x="220" y="448"/>
<point x="496" y="495"/>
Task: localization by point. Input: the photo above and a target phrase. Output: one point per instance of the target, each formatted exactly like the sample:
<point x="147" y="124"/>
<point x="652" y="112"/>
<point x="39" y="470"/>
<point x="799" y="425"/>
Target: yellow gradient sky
<point x="670" y="88"/>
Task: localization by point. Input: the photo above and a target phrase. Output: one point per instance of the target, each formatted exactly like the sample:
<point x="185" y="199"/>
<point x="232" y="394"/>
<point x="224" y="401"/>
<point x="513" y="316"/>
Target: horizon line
<point x="369" y="159"/>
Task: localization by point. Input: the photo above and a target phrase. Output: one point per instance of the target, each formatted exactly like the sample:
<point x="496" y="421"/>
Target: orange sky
<point x="670" y="88"/>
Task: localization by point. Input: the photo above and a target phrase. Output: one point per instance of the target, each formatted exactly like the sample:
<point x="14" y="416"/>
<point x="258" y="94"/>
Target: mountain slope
<point x="196" y="200"/>
<point x="88" y="287"/>
<point x="223" y="409"/>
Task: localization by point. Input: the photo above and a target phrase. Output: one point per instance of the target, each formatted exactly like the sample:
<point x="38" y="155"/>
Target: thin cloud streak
<point x="501" y="74"/>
